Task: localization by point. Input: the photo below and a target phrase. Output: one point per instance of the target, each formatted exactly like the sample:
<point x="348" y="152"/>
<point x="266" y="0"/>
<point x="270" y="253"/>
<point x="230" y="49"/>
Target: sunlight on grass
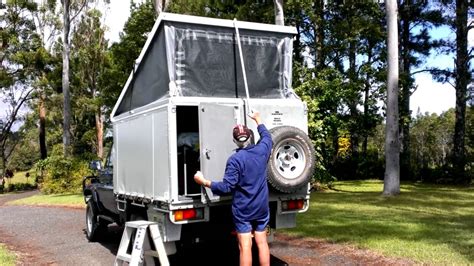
<point x="6" y="257"/>
<point x="73" y="200"/>
<point x="20" y="177"/>
<point x="426" y="223"/>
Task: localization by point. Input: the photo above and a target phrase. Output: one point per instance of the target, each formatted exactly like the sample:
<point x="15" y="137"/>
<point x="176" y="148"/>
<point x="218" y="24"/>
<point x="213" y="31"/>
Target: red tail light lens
<point x="188" y="214"/>
<point x="290" y="205"/>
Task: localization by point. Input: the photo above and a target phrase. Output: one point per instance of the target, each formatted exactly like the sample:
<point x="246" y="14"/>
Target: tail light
<point x="188" y="214"/>
<point x="292" y="205"/>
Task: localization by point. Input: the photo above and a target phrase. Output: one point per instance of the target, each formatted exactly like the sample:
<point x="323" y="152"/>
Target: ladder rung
<point x="151" y="253"/>
<point x="125" y="257"/>
<point x="136" y="224"/>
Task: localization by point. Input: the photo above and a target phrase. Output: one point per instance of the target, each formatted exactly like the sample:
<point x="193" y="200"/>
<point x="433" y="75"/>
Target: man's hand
<point x="255" y="115"/>
<point x="199" y="178"/>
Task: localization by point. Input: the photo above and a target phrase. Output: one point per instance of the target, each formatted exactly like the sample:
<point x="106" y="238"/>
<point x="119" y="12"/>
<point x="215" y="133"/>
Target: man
<point x="246" y="178"/>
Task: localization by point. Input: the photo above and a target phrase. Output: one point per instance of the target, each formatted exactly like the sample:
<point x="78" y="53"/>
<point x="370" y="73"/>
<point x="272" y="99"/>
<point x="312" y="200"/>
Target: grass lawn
<point x="20" y="177"/>
<point x="73" y="200"/>
<point x="425" y="223"/>
<point x="6" y="257"/>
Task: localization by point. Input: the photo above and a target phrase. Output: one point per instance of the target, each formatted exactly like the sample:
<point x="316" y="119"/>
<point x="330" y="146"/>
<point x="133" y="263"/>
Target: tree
<point x="67" y="19"/>
<point x="161" y="6"/>
<point x="392" y="143"/>
<point x="90" y="61"/>
<point x="47" y="26"/>
<point x="19" y="45"/>
<point x="279" y="15"/>
<point x="416" y="18"/>
<point x="463" y="78"/>
<point x="456" y="14"/>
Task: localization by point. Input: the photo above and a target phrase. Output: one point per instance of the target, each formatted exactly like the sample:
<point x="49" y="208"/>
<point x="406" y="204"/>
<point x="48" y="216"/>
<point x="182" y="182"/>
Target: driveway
<point x="56" y="236"/>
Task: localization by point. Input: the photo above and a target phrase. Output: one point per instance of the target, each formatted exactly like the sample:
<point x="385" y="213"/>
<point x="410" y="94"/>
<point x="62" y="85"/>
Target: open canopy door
<point x="215" y="124"/>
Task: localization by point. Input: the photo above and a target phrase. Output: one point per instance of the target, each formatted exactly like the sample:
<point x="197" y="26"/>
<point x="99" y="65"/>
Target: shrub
<point x="58" y="174"/>
<point x="18" y="187"/>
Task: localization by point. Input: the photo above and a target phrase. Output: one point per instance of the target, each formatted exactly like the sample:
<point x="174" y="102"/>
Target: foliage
<point x="75" y="200"/>
<point x="19" y="49"/>
<point x="26" y="153"/>
<point x="58" y="174"/>
<point x="430" y="224"/>
<point x="10" y="187"/>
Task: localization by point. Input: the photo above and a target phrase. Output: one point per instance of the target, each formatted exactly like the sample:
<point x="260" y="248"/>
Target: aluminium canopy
<point x="188" y="56"/>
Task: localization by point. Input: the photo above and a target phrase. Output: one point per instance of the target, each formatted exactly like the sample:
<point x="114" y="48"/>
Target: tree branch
<point x="79" y="11"/>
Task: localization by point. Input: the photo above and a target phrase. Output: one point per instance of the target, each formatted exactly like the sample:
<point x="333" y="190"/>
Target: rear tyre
<point x="94" y="229"/>
<point x="292" y="161"/>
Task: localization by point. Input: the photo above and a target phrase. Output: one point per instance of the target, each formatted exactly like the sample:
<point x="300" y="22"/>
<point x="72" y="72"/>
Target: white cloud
<point x="432" y="96"/>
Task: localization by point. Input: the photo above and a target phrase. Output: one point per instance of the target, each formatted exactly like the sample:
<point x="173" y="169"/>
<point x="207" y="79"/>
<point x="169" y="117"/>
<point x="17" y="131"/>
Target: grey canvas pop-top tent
<point x="192" y="56"/>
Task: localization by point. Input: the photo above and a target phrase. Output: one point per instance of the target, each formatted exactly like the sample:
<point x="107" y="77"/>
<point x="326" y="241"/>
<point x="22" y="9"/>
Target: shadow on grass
<point x="422" y="216"/>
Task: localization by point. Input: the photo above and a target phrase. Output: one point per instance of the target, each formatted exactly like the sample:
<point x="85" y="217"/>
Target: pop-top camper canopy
<point x="198" y="57"/>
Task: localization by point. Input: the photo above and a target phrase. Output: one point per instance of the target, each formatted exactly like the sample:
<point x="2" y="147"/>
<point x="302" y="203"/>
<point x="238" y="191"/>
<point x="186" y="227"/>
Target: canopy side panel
<point x="150" y="81"/>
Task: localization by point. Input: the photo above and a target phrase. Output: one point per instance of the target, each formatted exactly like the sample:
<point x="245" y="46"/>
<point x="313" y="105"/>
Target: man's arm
<point x="227" y="185"/>
<point x="265" y="136"/>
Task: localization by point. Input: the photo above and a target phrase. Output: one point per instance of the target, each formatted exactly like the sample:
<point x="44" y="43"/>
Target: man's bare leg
<point x="263" y="250"/>
<point x="245" y="246"/>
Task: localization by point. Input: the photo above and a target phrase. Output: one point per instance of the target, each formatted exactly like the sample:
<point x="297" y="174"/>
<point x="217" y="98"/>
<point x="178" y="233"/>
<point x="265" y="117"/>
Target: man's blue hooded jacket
<point x="246" y="178"/>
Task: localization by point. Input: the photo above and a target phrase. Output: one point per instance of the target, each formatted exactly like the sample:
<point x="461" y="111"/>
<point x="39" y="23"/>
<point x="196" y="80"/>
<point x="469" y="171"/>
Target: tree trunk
<point x="392" y="142"/>
<point x="65" y="81"/>
<point x="462" y="80"/>
<point x="279" y="17"/>
<point x="405" y="93"/>
<point x="42" y="126"/>
<point x="352" y="102"/>
<point x="161" y="6"/>
<point x="366" y="103"/>
<point x="366" y="113"/>
<point x="319" y="34"/>
<point x="99" y="125"/>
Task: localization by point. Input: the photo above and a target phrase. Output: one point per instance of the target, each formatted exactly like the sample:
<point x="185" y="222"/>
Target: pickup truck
<point x="195" y="73"/>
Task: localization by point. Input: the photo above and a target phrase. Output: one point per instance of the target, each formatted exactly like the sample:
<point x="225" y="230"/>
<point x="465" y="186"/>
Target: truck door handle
<point x="207" y="152"/>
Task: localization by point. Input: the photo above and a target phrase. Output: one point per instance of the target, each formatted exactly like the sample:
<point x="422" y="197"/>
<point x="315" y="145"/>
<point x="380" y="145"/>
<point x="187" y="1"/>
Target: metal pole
<point x="242" y="63"/>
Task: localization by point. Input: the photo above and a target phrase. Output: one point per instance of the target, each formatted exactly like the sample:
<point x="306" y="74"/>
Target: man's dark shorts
<point x="258" y="225"/>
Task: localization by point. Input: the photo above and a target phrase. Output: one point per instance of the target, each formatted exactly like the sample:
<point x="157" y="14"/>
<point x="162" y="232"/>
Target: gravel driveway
<point x="56" y="236"/>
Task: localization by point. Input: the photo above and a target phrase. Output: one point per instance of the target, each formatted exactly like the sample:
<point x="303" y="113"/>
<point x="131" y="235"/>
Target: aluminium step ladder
<point x="141" y="254"/>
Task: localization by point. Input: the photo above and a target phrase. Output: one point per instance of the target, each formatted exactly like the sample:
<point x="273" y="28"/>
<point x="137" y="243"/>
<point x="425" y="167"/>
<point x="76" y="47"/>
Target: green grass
<point x="6" y="257"/>
<point x="73" y="200"/>
<point x="426" y="223"/>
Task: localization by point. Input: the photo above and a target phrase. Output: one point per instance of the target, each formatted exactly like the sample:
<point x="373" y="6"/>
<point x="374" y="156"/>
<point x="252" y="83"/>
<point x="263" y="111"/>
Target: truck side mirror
<point x="95" y="165"/>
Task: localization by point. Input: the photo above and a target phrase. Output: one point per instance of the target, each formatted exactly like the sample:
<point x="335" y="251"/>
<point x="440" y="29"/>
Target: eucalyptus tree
<point x="392" y="143"/>
<point x="48" y="26"/>
<point x="70" y="10"/>
<point x="89" y="63"/>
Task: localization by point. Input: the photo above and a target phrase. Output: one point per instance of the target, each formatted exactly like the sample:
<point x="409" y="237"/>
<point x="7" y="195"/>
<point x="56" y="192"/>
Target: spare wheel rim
<point x="289" y="159"/>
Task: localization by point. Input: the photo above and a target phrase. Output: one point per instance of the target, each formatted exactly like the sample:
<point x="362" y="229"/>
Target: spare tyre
<point x="292" y="160"/>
